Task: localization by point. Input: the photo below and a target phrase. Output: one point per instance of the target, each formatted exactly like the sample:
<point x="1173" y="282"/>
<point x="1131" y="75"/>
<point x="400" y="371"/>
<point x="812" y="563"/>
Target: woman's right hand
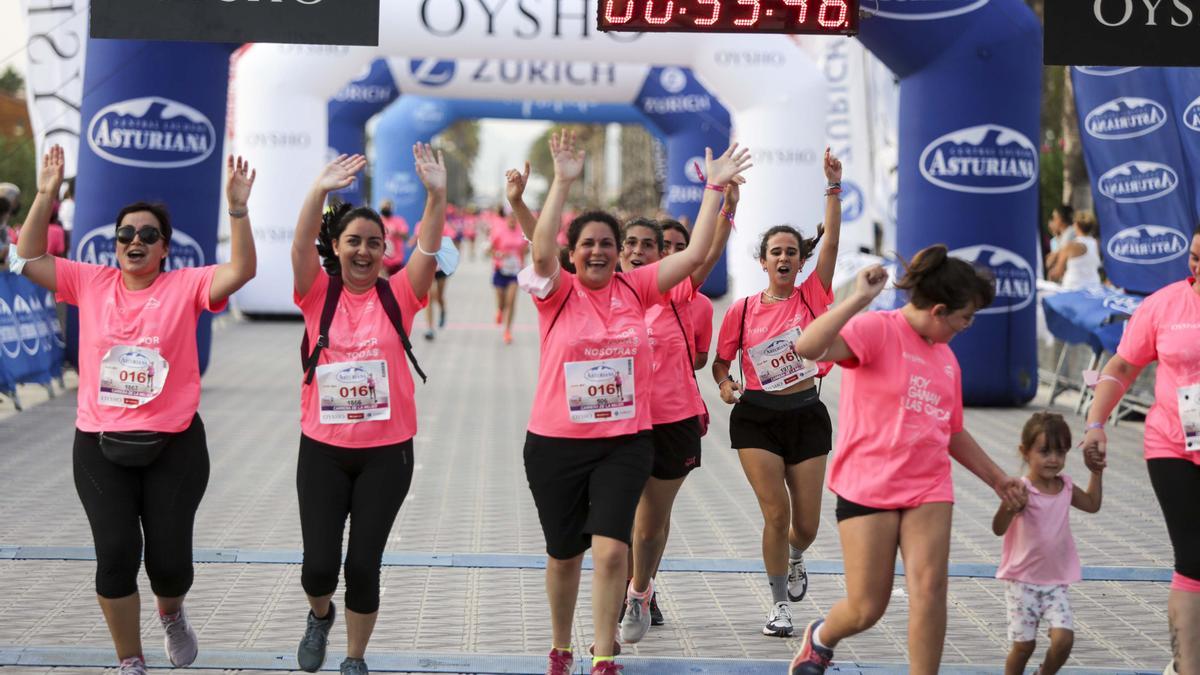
<point x="731" y="391"/>
<point x="514" y="184"/>
<point x="340" y="173"/>
<point x="870" y="283"/>
<point x="568" y="160"/>
<point x="50" y="176"/>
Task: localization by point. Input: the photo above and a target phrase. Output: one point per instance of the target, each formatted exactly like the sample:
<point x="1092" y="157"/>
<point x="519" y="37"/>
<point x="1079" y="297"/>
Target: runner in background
<point x="437" y="294"/>
<point x="396" y="244"/>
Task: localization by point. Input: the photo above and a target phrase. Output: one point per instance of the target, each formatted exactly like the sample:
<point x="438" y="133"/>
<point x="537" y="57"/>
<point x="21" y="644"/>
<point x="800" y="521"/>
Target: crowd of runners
<point x="617" y="417"/>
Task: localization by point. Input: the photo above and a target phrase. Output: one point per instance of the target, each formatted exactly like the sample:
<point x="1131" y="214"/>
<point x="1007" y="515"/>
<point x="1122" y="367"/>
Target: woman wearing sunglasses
<point x="140" y="455"/>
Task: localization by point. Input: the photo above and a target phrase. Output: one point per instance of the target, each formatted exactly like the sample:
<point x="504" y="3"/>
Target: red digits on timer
<point x="716" y="13"/>
<point x="610" y="12"/>
<point x="666" y="15"/>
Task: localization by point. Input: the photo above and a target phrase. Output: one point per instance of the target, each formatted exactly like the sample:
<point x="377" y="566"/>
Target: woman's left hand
<point x="1012" y="493"/>
<point x="833" y="167"/>
<point x="241" y="181"/>
<point x="728" y="167"/>
<point x="431" y="168"/>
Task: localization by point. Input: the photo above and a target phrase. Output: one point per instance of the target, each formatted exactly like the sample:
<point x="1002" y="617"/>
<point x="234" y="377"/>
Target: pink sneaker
<point x="607" y="668"/>
<point x="560" y="662"/>
<point x="811" y="659"/>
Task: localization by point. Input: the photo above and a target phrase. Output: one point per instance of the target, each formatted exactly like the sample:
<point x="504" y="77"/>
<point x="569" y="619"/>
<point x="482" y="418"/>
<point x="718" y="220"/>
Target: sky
<point x="12" y="36"/>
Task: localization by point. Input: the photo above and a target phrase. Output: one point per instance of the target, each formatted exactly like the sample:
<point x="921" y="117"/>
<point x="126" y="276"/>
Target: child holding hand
<point x="1039" y="559"/>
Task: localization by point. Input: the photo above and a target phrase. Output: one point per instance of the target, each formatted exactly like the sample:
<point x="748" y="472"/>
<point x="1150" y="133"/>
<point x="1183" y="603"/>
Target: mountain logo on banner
<point x="99" y="247"/>
<point x="853" y="203"/>
<point x="1105" y="71"/>
<point x="152" y="133"/>
<point x="56" y="330"/>
<point x="40" y="322"/>
<point x="985" y="159"/>
<point x="1136" y="181"/>
<point x="1013" y="274"/>
<point x="1147" y="245"/>
<point x="432" y="72"/>
<point x="1191" y="115"/>
<point x="926" y="10"/>
<point x="26" y="326"/>
<point x="10" y="333"/>
<point x="1125" y="117"/>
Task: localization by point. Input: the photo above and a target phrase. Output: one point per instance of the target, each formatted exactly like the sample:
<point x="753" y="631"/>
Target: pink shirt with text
<point x="765" y="321"/>
<point x="606" y="323"/>
<point x="1038" y="546"/>
<point x="702" y="315"/>
<point x="161" y="317"/>
<point x="361" y="331"/>
<point x="1166" y="329"/>
<point x="901" y="401"/>
<point x="675" y="394"/>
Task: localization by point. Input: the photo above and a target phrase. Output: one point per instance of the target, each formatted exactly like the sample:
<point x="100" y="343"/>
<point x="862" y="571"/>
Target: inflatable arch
<point x="969" y="69"/>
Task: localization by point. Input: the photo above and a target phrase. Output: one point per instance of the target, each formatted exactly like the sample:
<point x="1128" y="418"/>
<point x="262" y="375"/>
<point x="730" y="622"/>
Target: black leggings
<point x="1177" y="484"/>
<point x="367" y="484"/>
<point x="159" y="500"/>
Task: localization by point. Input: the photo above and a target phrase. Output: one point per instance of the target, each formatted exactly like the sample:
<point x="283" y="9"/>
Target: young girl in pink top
<point x="901" y="422"/>
<point x="140" y="455"/>
<point x="1039" y="560"/>
<point x="588" y="451"/>
<point x="1166" y="329"/>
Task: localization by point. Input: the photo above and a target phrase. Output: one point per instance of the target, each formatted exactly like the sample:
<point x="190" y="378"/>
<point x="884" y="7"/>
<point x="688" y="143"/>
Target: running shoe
<point x="797" y="579"/>
<point x="811" y="659"/>
<point x="429" y="334"/>
<point x="354" y="667"/>
<point x="656" y="617"/>
<point x="779" y="621"/>
<point x="607" y="668"/>
<point x="636" y="621"/>
<point x="560" y="662"/>
<point x="499" y="316"/>
<point x="311" y="652"/>
<point x="508" y="337"/>
<point x="134" y="665"/>
<point x="1170" y="670"/>
<point x="180" y="639"/>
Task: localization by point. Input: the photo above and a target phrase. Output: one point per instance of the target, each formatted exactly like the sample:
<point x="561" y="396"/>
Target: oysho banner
<point x="54" y="77"/>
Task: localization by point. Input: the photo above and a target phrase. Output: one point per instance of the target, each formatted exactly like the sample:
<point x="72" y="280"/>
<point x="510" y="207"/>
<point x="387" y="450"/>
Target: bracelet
<point x="833" y="185"/>
<point x="728" y="215"/>
<point x="832" y="191"/>
<point x="715" y="188"/>
<point x="727" y="378"/>
<point x="239" y="214"/>
<point x="1093" y="425"/>
<point x="424" y="252"/>
<point x="1111" y="378"/>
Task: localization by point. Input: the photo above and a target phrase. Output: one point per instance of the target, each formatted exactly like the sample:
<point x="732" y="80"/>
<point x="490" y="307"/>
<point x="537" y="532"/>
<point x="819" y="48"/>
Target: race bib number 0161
<point x="777" y="364"/>
<point x="131" y="377"/>
<point x="354" y="391"/>
<point x="600" y="391"/>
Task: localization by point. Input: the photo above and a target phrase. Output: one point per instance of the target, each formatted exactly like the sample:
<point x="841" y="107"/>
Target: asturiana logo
<point x="10" y="334"/>
<point x="1013" y="274"/>
<point x="99" y="247"/>
<point x="600" y="374"/>
<point x="1125" y="117"/>
<point x="922" y="10"/>
<point x="27" y="326"/>
<point x="352" y="375"/>
<point x="1147" y="244"/>
<point x="152" y="132"/>
<point x="1138" y="181"/>
<point x="986" y="159"/>
<point x="1105" y="71"/>
<point x="1191" y="115"/>
<point x="1125" y="304"/>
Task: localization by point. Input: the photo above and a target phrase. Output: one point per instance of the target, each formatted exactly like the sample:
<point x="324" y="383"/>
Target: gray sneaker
<point x="636" y="621"/>
<point x="779" y="621"/>
<point x="134" y="665"/>
<point x="797" y="583"/>
<point x="180" y="639"/>
<point x="354" y="667"/>
<point x="310" y="655"/>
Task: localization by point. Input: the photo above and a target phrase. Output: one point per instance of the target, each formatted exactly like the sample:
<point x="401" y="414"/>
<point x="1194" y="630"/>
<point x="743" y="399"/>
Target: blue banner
<point x="969" y="117"/>
<point x="1131" y="121"/>
<point x="1093" y="317"/>
<point x="29" y="353"/>
<point x="154" y="122"/>
<point x="349" y="112"/>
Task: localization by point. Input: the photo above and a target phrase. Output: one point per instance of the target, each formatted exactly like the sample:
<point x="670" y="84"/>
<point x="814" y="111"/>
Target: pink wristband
<point x="1110" y="378"/>
<point x="715" y="188"/>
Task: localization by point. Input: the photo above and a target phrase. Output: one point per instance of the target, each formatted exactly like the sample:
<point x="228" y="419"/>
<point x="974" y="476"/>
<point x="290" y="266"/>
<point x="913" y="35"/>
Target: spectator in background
<point x="397" y="237"/>
<point x="10" y="203"/>
<point x="66" y="211"/>
<point x="1077" y="263"/>
<point x="1062" y="231"/>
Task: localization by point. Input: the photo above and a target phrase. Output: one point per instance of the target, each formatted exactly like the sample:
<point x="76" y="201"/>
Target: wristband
<point x="1110" y="378"/>
<point x="727" y="378"/>
<point x="715" y="188"/>
<point x="831" y="191"/>
<point x="1093" y="425"/>
<point x="833" y="185"/>
<point x="424" y="252"/>
<point x="728" y="215"/>
<point x="239" y="214"/>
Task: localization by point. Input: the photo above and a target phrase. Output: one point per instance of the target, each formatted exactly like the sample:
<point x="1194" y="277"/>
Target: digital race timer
<point x="833" y="17"/>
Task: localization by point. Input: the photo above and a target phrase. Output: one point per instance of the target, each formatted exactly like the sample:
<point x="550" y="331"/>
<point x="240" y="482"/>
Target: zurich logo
<point x="352" y="376"/>
<point x="1191" y="115"/>
<point x="600" y="374"/>
<point x="692" y="169"/>
<point x="152" y="133"/>
<point x="1125" y="117"/>
<point x="1105" y="71"/>
<point x="432" y="72"/>
<point x="27" y="326"/>
<point x="1013" y="274"/>
<point x="1134" y="182"/>
<point x="986" y="159"/>
<point x="1147" y="244"/>
<point x="921" y="10"/>
<point x="10" y="333"/>
<point x="99" y="247"/>
<point x="673" y="80"/>
<point x="853" y="203"/>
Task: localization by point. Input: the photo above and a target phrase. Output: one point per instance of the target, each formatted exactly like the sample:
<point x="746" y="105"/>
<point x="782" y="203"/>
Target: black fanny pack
<point x="133" y="448"/>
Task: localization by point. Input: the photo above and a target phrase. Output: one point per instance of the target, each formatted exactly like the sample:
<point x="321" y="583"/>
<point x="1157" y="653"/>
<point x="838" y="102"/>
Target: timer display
<point x="822" y="17"/>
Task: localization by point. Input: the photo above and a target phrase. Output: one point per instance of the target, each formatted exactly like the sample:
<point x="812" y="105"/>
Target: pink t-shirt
<point x="361" y="331"/>
<point x="1038" y="546"/>
<point x="901" y="401"/>
<point x="606" y="325"/>
<point x="702" y="315"/>
<point x="766" y="321"/>
<point x="508" y="249"/>
<point x="1166" y="328"/>
<point x="675" y="394"/>
<point x="160" y="318"/>
<point x="396" y="228"/>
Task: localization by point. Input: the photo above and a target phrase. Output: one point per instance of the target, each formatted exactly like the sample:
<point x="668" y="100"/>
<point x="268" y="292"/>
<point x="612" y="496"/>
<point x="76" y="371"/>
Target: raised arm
<point x="38" y="266"/>
<point x="243" y="260"/>
<point x="431" y="169"/>
<point x="967" y="452"/>
<point x="720" y="238"/>
<point x="568" y="166"/>
<point x="720" y="171"/>
<point x="822" y="341"/>
<point x="514" y="188"/>
<point x="336" y="175"/>
<point x="827" y="259"/>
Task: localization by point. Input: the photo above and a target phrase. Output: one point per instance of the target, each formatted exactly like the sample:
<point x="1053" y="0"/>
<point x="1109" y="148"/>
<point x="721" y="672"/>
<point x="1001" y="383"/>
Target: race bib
<point x="510" y="265"/>
<point x="354" y="391"/>
<point x="1189" y="416"/>
<point x="777" y="364"/>
<point x="131" y="377"/>
<point x="600" y="391"/>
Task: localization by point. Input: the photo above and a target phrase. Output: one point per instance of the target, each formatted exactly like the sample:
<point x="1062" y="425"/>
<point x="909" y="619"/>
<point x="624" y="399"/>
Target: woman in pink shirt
<point x="357" y="410"/>
<point x="1166" y="329"/>
<point x="779" y="426"/>
<point x="140" y="455"/>
<point x="508" y="247"/>
<point x="901" y="422"/>
<point x="588" y="450"/>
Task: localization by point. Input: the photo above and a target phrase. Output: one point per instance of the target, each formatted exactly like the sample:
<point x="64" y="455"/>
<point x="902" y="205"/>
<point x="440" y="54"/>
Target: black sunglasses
<point x="148" y="234"/>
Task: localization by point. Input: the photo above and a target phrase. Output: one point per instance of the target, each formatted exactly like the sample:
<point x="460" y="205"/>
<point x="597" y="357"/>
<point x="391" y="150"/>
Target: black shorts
<point x="584" y="487"/>
<point x="1176" y="483"/>
<point x="847" y="509"/>
<point x="795" y="426"/>
<point x="440" y="275"/>
<point x="676" y="448"/>
<point x="502" y="280"/>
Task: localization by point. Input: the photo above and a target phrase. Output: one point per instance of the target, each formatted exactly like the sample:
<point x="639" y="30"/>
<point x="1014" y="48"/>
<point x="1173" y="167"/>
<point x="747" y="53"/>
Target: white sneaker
<point x="180" y="640"/>
<point x="134" y="665"/>
<point x="636" y="621"/>
<point x="779" y="621"/>
<point x="797" y="584"/>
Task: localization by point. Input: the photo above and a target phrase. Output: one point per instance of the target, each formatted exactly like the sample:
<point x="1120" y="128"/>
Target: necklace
<point x="776" y="298"/>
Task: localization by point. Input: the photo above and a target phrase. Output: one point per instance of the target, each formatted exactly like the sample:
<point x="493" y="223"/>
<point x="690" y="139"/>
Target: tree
<point x="19" y="166"/>
<point x="11" y="82"/>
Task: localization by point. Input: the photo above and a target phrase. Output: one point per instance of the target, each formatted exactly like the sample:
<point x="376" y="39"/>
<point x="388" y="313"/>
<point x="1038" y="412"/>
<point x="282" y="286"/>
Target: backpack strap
<point x="741" y="335"/>
<point x="691" y="359"/>
<point x="392" y="308"/>
<point x="309" y="360"/>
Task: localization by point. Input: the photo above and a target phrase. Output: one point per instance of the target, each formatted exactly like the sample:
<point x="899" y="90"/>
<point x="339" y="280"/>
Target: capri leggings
<point x="1177" y="484"/>
<point x="160" y="500"/>
<point x="366" y="484"/>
